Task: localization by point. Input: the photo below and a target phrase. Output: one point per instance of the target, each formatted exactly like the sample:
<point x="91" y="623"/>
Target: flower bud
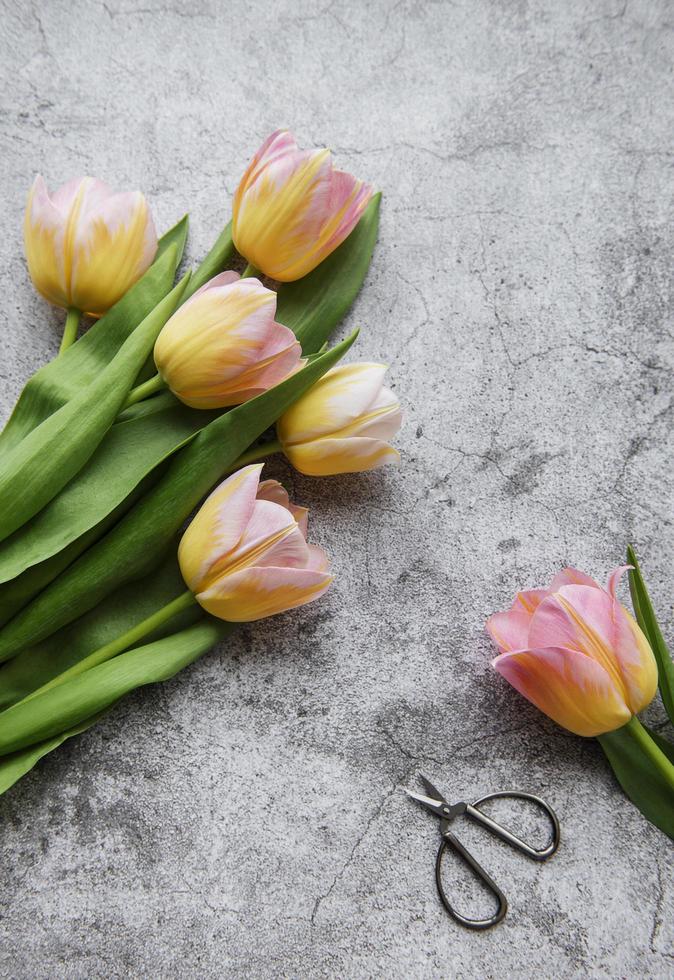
<point x="291" y="209"/>
<point x="576" y="653"/>
<point x="342" y="424"/>
<point x="224" y="346"/>
<point x="245" y="554"/>
<point x="85" y="245"/>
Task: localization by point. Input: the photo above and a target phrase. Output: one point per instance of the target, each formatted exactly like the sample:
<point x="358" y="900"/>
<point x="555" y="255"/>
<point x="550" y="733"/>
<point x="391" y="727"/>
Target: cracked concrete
<point x="246" y="819"/>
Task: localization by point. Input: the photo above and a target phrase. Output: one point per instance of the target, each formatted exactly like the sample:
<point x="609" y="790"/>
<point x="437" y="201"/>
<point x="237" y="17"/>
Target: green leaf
<point x="641" y="778"/>
<point x="118" y="613"/>
<point x="64" y="377"/>
<point x="51" y="454"/>
<point x="647" y="620"/>
<point x="314" y="305"/>
<point x="16" y="765"/>
<point x="60" y="708"/>
<point x="217" y="259"/>
<point x="135" y="545"/>
<point x="132" y="449"/>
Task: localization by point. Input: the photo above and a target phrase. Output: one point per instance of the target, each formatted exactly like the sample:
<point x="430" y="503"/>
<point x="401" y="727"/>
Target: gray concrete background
<point x="246" y="819"/>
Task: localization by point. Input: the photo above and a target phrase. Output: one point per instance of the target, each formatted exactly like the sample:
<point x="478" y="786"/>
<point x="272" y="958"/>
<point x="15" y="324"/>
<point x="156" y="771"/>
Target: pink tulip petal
<point x="255" y="593"/>
<point x="301" y="515"/>
<point x="571" y="576"/>
<point x="318" y="560"/>
<point x="218" y="526"/>
<point x="509" y="630"/>
<point x="222" y="279"/>
<point x="568" y="686"/>
<point x="615" y="577"/>
<point x="591" y="621"/>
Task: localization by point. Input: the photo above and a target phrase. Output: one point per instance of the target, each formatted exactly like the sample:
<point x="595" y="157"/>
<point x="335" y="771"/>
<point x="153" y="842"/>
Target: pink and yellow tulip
<point x="85" y="245"/>
<point x="342" y="424"/>
<point x="292" y="209"/>
<point x="245" y="554"/>
<point x="224" y="346"/>
<point x="576" y="653"/>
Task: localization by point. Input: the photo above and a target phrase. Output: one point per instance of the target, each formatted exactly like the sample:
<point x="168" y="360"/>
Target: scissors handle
<point x="450" y="841"/>
<point x="542" y="854"/>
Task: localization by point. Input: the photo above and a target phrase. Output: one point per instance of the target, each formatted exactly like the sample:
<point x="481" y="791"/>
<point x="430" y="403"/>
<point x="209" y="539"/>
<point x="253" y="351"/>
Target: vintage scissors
<point x="437" y="804"/>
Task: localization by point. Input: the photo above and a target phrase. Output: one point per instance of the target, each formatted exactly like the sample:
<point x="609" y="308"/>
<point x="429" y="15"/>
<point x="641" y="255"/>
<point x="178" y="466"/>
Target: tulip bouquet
<point x="165" y="405"/>
<point x="576" y="653"/>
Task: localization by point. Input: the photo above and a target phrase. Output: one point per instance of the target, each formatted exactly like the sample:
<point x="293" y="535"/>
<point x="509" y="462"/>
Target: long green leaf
<point x="647" y="620"/>
<point x="217" y="259"/>
<point x="131" y="450"/>
<point x="138" y="542"/>
<point x="121" y="610"/>
<point x="312" y="306"/>
<point x="641" y="780"/>
<point x="17" y="764"/>
<point x="51" y="454"/>
<point x="64" y="377"/>
<point x="60" y="708"/>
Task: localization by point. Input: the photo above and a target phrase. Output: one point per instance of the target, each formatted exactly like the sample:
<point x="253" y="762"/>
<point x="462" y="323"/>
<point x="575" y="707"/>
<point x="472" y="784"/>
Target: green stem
<point x="70" y="330"/>
<point x="140" y="392"/>
<point x="122" y="643"/>
<point x="255" y="454"/>
<point x="250" y="272"/>
<point x="653" y="751"/>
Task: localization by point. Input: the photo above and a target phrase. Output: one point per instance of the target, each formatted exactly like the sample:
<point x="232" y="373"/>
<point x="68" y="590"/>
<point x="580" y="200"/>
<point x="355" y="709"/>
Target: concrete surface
<point x="246" y="820"/>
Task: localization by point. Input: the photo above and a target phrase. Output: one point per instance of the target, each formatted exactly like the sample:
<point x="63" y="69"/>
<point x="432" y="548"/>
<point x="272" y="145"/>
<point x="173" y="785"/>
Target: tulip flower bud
<point x="576" y="653"/>
<point x="86" y="246"/>
<point x="291" y="209"/>
<point x="245" y="555"/>
<point x="342" y="424"/>
<point x="224" y="346"/>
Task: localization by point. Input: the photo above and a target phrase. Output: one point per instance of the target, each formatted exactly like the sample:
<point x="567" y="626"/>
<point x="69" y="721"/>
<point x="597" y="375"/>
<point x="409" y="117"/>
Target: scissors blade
<point x="435" y="803"/>
<point x="431" y="790"/>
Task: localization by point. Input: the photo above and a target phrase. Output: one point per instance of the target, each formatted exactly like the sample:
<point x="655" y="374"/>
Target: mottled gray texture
<point x="246" y="819"/>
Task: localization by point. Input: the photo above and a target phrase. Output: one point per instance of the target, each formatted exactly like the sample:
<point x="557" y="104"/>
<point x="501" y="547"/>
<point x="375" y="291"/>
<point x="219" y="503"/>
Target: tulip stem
<point x="140" y="392"/>
<point x="122" y="643"/>
<point x="653" y="751"/>
<point x="257" y="453"/>
<point x="250" y="272"/>
<point x="70" y="329"/>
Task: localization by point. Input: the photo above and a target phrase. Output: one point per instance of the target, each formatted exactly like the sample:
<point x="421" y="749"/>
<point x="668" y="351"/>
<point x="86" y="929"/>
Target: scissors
<point x="437" y="804"/>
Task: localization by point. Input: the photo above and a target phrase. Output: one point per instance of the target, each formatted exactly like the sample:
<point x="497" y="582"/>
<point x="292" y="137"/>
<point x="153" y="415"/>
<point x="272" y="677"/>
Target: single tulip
<point x="223" y="345"/>
<point x="342" y="424"/>
<point x="576" y="653"/>
<point x="245" y="554"/>
<point x="85" y="245"/>
<point x="292" y="209"/>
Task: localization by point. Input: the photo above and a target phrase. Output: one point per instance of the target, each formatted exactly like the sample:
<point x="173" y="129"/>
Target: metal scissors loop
<point x="437" y="804"/>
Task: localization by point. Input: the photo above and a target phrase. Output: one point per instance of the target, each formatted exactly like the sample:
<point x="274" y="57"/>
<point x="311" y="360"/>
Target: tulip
<point x="342" y="424"/>
<point x="291" y="209"/>
<point x="223" y="345"/>
<point x="85" y="245"/>
<point x="576" y="653"/>
<point x="245" y="554"/>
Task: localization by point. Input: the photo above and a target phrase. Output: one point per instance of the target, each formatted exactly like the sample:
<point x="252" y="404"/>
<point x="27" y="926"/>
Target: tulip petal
<point x="509" y="630"/>
<point x="44" y="236"/>
<point x="615" y="577"/>
<point x="255" y="593"/>
<point x="333" y="403"/>
<point x="114" y="241"/>
<point x="218" y="526"/>
<point x="274" y="491"/>
<point x="571" y="576"/>
<point x="271" y="537"/>
<point x="571" y="688"/>
<point x="222" y="279"/>
<point x="328" y="457"/>
<point x="591" y="621"/>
